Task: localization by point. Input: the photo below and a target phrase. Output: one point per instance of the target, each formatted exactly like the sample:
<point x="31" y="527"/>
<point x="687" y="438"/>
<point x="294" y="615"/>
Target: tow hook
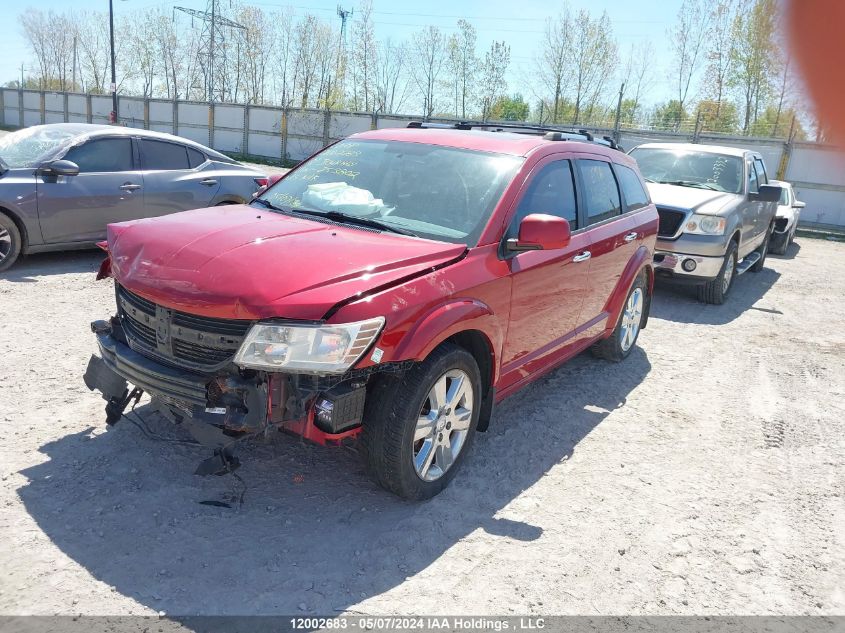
<point x="222" y="462"/>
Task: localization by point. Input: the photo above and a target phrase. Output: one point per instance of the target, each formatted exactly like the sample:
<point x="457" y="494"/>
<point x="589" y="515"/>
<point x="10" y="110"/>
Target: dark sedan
<point x="61" y="184"/>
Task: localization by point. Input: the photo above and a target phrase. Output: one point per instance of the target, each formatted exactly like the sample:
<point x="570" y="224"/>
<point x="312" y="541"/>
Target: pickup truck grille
<point x="670" y="221"/>
<point x="178" y="338"/>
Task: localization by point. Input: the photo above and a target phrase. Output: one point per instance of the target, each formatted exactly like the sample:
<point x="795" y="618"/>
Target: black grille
<point x="670" y="221"/>
<point x="178" y="338"/>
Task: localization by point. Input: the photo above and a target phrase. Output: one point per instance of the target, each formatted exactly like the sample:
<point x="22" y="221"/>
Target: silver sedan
<point x="61" y="184"/>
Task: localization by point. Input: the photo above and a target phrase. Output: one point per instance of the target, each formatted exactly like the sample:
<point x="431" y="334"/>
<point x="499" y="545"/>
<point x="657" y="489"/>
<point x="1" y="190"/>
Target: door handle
<point x="208" y="182"/>
<point x="631" y="237"/>
<point x="129" y="186"/>
<point x="582" y="256"/>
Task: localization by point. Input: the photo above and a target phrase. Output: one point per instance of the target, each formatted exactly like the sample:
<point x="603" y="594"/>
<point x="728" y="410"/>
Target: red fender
<point x="447" y="320"/>
<point x="639" y="262"/>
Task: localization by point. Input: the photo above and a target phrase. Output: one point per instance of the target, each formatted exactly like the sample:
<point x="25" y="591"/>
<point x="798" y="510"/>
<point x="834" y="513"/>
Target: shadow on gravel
<point x="791" y="252"/>
<point x="313" y="534"/>
<point x="679" y="303"/>
<point x="31" y="266"/>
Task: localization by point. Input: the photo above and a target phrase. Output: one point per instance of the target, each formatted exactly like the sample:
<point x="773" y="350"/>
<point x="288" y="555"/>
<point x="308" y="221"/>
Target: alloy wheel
<point x="631" y="319"/>
<point x="443" y="425"/>
<point x="727" y="278"/>
<point x="5" y="243"/>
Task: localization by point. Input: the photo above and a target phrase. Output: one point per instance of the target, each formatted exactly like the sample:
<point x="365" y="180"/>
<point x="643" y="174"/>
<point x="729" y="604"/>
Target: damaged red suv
<point x="388" y="291"/>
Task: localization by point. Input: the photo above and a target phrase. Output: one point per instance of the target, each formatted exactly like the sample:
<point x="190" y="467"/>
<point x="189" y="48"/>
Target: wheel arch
<point x="21" y="226"/>
<point x="640" y="262"/>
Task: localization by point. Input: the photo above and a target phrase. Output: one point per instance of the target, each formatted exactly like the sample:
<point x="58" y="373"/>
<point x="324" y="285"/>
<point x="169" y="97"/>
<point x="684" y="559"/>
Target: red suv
<point x="390" y="290"/>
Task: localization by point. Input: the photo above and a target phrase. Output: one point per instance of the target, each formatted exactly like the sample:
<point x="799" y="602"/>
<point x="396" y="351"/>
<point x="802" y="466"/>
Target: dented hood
<point x="243" y="262"/>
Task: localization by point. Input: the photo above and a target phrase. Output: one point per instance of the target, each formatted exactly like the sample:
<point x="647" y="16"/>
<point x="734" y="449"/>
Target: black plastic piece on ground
<point x="222" y="462"/>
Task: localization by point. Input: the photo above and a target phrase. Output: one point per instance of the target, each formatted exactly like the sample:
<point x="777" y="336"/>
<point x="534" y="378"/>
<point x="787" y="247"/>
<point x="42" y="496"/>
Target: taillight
<point x="262" y="182"/>
<point x="104" y="245"/>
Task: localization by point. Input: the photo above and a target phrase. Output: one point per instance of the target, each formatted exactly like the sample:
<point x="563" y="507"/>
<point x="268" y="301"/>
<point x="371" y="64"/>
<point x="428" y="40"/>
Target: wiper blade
<point x="339" y="216"/>
<point x="266" y="204"/>
<point x="690" y="183"/>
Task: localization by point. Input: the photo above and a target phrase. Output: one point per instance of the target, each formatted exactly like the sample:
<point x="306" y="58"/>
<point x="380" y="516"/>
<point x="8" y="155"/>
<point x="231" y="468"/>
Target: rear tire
<point x="782" y="243"/>
<point x="716" y="290"/>
<point x="618" y="345"/>
<point x="402" y="427"/>
<point x="10" y="242"/>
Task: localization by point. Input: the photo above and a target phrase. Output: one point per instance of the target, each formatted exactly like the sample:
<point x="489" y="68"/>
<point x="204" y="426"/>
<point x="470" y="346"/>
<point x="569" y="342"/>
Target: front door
<point x="107" y="189"/>
<point x="548" y="286"/>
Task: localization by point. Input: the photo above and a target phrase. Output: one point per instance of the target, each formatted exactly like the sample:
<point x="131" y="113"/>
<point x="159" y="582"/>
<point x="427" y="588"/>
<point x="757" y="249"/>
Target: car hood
<point x="698" y="200"/>
<point x="244" y="262"/>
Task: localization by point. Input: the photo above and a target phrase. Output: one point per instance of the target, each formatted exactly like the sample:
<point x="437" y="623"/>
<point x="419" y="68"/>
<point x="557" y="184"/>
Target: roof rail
<point x="548" y="133"/>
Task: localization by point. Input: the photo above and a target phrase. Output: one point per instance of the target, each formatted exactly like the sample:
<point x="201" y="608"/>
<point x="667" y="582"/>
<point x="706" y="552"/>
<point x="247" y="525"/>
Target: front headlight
<point x="705" y="225"/>
<point x="308" y="349"/>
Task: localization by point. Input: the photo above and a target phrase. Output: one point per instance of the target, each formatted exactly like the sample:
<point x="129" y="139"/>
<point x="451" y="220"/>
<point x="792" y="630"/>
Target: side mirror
<point x="541" y="232"/>
<point x="767" y="193"/>
<point x="798" y="205"/>
<point x="60" y="168"/>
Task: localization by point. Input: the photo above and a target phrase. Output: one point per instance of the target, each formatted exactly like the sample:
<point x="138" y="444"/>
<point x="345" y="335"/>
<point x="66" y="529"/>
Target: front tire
<point x="619" y="344"/>
<point x="10" y="242"/>
<point x="418" y="428"/>
<point x="716" y="290"/>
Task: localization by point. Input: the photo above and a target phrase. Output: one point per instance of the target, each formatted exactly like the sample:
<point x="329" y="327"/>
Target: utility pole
<point x="21" y="75"/>
<point x="212" y="23"/>
<point x="113" y="116"/>
<point x="340" y="70"/>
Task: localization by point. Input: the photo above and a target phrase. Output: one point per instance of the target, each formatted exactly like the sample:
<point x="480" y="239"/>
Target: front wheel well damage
<point x="477" y="344"/>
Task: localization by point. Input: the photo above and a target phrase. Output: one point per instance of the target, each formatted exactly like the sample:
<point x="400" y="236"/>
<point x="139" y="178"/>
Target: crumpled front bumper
<point x="226" y="401"/>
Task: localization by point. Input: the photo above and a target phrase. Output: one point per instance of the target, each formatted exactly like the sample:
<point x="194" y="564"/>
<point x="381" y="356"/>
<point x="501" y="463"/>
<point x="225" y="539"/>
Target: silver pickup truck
<point x="717" y="211"/>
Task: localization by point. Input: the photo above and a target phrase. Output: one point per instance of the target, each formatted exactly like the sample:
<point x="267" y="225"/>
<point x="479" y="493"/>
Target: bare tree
<point x="391" y="82"/>
<point x="496" y="62"/>
<point x="638" y="75"/>
<point x="689" y="38"/>
<point x="753" y="56"/>
<point x="719" y="54"/>
<point x="593" y="57"/>
<point x="462" y="66"/>
<point x="364" y="52"/>
<point x="553" y="63"/>
<point x="429" y="54"/>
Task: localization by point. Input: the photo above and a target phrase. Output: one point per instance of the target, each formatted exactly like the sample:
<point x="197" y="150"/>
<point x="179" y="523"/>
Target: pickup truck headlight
<point x="308" y="349"/>
<point x="705" y="225"/>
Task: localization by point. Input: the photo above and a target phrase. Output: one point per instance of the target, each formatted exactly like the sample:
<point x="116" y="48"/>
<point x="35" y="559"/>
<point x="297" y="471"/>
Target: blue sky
<point x="519" y="22"/>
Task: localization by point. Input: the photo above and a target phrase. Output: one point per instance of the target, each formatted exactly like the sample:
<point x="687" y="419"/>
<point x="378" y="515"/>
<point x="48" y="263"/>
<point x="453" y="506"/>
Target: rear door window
<point x="102" y="155"/>
<point x="632" y="188"/>
<point x="601" y="193"/>
<point x="161" y="155"/>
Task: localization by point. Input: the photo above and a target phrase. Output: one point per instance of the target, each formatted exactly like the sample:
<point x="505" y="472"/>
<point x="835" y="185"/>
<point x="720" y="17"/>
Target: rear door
<point x="751" y="210"/>
<point x="108" y="188"/>
<point x="613" y="239"/>
<point x="548" y="286"/>
<point x="173" y="177"/>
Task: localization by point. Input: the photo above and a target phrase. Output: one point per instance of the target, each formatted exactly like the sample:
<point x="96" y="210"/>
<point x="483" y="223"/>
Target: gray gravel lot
<point x="703" y="475"/>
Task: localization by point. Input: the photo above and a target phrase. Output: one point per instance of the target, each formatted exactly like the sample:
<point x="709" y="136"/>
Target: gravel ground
<point x="704" y="475"/>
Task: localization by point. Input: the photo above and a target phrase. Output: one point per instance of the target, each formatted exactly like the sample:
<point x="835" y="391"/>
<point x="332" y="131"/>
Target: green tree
<point x="510" y="109"/>
<point x="715" y="116"/>
<point x="753" y="57"/>
<point x="670" y="115"/>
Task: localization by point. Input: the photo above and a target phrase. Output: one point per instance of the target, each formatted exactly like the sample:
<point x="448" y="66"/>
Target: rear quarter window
<point x="632" y="188"/>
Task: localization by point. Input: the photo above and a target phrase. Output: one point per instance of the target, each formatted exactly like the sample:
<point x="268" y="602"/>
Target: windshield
<point x="25" y="147"/>
<point x="440" y="193"/>
<point x="703" y="170"/>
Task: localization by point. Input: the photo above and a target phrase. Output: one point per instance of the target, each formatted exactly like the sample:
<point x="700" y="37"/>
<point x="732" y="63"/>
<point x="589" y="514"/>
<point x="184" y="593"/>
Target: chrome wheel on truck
<point x="443" y="425"/>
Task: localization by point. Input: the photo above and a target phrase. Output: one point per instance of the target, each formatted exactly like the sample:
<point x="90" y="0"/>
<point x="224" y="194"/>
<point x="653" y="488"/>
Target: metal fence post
<point x="146" y="113"/>
<point x="374" y="121"/>
<point x="88" y="109"/>
<point x="64" y="104"/>
<point x="211" y="125"/>
<point x="43" y="108"/>
<point x="327" y="121"/>
<point x="20" y="106"/>
<point x="175" y="117"/>
<point x="283" y="128"/>
<point x="245" y="143"/>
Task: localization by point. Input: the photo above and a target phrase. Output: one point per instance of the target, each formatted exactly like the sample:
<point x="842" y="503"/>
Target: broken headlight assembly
<point x="307" y="349"/>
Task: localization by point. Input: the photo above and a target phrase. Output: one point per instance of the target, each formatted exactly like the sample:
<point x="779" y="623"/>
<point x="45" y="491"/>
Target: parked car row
<point x="394" y="287"/>
<point x="61" y="184"/>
